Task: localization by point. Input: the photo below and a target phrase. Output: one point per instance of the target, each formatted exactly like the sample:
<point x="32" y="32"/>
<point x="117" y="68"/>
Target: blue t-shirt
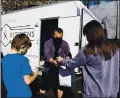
<point x="15" y="66"/>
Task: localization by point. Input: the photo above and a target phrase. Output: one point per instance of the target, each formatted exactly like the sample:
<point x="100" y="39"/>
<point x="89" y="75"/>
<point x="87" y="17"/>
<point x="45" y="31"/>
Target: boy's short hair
<point x="21" y="40"/>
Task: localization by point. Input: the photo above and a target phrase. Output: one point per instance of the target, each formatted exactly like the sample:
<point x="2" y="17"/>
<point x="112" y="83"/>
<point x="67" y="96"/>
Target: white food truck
<point x="38" y="23"/>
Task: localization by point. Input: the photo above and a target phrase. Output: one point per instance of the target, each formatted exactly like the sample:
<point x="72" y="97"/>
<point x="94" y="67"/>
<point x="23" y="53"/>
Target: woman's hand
<point x="59" y="59"/>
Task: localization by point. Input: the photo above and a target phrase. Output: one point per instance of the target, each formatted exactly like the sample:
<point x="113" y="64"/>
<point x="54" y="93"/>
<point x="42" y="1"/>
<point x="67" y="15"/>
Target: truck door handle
<point x="76" y="44"/>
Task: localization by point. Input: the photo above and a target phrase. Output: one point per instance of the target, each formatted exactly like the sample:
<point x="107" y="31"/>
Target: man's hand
<point x="53" y="61"/>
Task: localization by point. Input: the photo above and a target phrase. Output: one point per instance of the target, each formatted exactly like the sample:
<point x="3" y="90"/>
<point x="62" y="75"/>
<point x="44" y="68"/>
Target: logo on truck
<point x="8" y="33"/>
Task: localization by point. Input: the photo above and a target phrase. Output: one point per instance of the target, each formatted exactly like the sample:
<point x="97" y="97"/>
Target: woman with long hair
<point x="100" y="63"/>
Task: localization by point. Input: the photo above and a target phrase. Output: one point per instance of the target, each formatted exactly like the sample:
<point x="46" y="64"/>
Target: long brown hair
<point x="97" y="41"/>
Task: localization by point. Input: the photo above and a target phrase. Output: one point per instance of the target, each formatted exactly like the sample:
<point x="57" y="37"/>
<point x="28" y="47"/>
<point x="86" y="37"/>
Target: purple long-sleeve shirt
<point x="49" y="51"/>
<point x="101" y="78"/>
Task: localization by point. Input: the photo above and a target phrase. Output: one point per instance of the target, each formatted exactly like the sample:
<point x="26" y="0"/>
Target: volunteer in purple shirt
<point x="53" y="48"/>
<point x="100" y="63"/>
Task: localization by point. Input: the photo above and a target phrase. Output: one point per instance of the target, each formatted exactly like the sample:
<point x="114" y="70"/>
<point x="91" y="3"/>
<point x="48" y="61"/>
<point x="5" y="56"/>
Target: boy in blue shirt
<point x="16" y="68"/>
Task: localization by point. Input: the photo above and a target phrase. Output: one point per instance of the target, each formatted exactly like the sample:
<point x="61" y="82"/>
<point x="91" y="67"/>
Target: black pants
<point x="50" y="80"/>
